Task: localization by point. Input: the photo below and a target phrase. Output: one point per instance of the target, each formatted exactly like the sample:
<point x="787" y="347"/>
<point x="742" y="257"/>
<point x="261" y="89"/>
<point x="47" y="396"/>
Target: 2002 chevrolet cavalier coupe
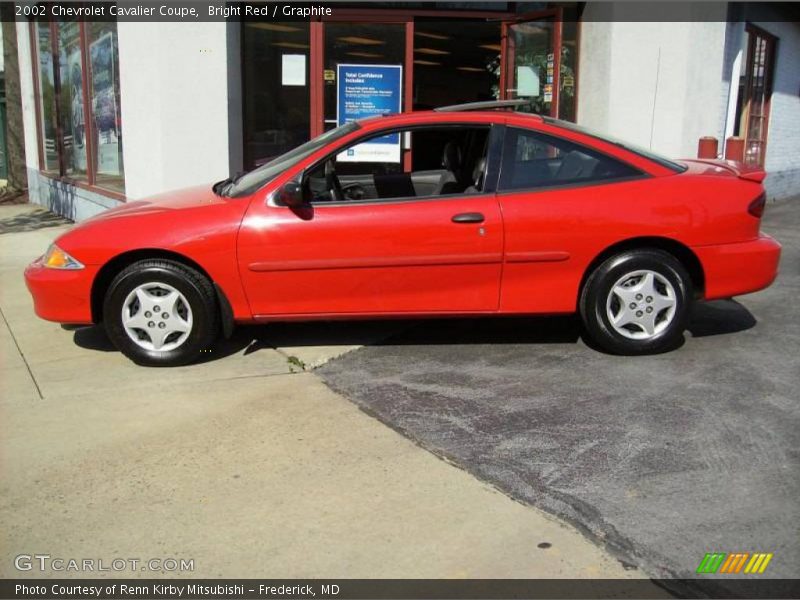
<point x="449" y="212"/>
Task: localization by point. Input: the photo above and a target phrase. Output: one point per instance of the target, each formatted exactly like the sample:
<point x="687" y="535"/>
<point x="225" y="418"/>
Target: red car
<point x="461" y="211"/>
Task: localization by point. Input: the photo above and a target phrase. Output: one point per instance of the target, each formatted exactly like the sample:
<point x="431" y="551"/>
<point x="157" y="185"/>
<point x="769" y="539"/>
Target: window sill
<point x="114" y="195"/>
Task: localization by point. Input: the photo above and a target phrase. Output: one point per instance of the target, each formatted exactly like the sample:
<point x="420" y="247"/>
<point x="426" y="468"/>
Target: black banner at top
<point x="210" y="10"/>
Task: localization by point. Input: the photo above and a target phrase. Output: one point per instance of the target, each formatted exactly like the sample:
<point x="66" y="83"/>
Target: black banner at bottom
<point x="394" y="589"/>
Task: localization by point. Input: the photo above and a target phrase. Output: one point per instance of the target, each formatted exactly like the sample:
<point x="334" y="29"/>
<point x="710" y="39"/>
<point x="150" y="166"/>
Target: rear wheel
<point x="161" y="313"/>
<point x="637" y="302"/>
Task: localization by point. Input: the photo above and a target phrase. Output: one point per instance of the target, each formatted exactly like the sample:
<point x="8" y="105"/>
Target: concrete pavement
<point x="244" y="463"/>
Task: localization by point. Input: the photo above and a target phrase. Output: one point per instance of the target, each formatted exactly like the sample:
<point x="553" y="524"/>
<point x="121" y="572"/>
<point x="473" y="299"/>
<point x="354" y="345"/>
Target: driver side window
<point x="445" y="161"/>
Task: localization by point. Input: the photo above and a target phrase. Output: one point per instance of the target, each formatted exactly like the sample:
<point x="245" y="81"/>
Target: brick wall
<point x="783" y="141"/>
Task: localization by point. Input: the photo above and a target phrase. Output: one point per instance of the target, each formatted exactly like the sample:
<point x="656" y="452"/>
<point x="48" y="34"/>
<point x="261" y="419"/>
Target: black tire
<point x="596" y="291"/>
<point x="195" y="288"/>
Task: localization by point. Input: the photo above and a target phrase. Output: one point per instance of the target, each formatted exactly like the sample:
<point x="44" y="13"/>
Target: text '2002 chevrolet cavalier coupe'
<point x="460" y="211"/>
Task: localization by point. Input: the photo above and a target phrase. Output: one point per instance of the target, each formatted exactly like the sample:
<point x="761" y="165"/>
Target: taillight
<point x="757" y="206"/>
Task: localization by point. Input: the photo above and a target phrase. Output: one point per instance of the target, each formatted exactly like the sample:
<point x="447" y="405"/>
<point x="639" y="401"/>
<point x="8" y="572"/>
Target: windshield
<point x="648" y="154"/>
<point x="248" y="183"/>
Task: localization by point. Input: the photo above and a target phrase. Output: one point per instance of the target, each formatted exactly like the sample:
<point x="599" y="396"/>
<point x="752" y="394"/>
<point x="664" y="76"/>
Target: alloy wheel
<point x="641" y="304"/>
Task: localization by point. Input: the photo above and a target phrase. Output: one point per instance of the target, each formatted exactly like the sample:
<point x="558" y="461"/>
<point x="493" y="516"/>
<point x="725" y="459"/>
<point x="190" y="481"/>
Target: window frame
<point x="510" y="137"/>
<point x="90" y="184"/>
<point x="491" y="178"/>
<point x="771" y="52"/>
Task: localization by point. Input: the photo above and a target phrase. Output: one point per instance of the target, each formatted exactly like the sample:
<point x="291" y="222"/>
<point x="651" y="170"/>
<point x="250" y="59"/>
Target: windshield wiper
<point x="221" y="187"/>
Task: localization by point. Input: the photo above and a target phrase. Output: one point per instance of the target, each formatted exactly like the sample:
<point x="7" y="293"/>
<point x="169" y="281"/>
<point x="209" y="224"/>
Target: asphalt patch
<point x="659" y="458"/>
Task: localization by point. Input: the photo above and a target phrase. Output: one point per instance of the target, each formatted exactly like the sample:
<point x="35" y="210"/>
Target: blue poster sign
<point x="366" y="91"/>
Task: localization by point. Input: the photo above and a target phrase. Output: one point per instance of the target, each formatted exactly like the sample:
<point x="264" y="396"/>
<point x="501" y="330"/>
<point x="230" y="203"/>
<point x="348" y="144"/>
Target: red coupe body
<point x="529" y="252"/>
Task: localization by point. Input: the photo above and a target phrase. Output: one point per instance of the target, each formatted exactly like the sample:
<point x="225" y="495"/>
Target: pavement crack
<point x="22" y="355"/>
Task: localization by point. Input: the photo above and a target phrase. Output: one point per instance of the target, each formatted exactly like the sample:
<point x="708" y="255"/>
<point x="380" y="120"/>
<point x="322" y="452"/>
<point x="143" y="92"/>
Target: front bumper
<point x="61" y="295"/>
<point x="740" y="268"/>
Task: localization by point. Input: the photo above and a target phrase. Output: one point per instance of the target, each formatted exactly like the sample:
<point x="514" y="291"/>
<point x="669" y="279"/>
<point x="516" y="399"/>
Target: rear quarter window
<point x="534" y="160"/>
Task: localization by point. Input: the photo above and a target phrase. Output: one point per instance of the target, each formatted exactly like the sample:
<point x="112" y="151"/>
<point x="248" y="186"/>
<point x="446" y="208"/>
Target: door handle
<point x="472" y="217"/>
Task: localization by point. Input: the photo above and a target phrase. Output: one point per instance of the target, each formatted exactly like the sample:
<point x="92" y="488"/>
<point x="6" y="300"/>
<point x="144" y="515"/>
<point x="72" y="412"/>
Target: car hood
<point x="201" y="196"/>
<point x="189" y="221"/>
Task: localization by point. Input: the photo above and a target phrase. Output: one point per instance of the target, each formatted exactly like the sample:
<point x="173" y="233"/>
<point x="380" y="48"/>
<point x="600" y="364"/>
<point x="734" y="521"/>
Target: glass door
<point x="277" y="89"/>
<point x="758" y="90"/>
<point x="377" y="51"/>
<point x="455" y="61"/>
<point x="531" y="62"/>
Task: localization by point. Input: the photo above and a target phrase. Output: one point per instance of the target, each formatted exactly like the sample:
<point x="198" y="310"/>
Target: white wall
<point x="174" y="88"/>
<point x="656" y="84"/>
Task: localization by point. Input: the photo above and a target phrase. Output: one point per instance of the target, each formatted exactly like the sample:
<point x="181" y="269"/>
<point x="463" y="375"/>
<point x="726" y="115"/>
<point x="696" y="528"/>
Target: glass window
<point x="648" y="154"/>
<point x="77" y="71"/>
<point x="247" y="183"/>
<point x="755" y="91"/>
<point x="569" y="65"/>
<point x="277" y="102"/>
<point x="534" y="160"/>
<point x="359" y="44"/>
<point x="104" y="105"/>
<point x="47" y="97"/>
<point x="455" y="61"/>
<point x="531" y="60"/>
<point x="446" y="161"/>
<point x="70" y="97"/>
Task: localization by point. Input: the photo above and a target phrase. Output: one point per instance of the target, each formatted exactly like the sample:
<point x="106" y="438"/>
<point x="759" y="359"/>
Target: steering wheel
<point x="332" y="182"/>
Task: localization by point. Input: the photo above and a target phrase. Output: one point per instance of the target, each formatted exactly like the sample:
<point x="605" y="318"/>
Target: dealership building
<point x="117" y="111"/>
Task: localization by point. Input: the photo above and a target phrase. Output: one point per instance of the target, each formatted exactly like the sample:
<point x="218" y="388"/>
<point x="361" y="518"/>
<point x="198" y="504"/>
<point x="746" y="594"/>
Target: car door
<point x="559" y="202"/>
<point x="398" y="255"/>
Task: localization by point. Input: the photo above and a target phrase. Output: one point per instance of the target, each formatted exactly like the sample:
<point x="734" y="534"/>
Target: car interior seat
<point x="576" y="165"/>
<point x="477" y="177"/>
<point x="452" y="181"/>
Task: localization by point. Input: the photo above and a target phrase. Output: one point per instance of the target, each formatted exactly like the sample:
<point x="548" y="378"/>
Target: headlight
<point x="56" y="258"/>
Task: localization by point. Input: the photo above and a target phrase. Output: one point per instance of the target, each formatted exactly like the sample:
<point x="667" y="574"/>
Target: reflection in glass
<point x="754" y="94"/>
<point x="531" y="76"/>
<point x="105" y="106"/>
<point x="276" y="89"/>
<point x="47" y="100"/>
<point x="73" y="125"/>
<point x="359" y="44"/>
<point x="569" y="65"/>
<point x="455" y="61"/>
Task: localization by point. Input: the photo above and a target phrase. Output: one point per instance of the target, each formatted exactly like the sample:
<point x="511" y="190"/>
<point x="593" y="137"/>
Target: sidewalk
<point x="246" y="464"/>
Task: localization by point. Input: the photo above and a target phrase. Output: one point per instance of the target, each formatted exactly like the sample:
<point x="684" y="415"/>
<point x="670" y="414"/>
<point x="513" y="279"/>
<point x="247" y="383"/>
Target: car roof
<point x="433" y="116"/>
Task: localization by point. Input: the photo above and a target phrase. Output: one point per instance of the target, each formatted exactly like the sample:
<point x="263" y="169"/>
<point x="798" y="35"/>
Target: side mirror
<point x="291" y="194"/>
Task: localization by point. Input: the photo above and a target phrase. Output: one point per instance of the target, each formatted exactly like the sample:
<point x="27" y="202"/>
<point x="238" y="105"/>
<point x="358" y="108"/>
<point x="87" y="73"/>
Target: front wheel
<point x="161" y="313"/>
<point x="637" y="302"/>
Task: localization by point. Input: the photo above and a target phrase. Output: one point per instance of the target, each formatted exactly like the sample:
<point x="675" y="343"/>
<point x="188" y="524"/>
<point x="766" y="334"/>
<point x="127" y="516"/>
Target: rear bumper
<point x="61" y="295"/>
<point x="741" y="268"/>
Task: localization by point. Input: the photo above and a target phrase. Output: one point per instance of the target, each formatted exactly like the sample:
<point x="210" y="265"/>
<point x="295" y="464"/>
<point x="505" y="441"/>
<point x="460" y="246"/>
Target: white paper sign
<point x="294" y="69"/>
<point x="527" y="81"/>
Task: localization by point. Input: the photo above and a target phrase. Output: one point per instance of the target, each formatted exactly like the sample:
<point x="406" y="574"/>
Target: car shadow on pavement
<point x="93" y="337"/>
<point x="718" y="317"/>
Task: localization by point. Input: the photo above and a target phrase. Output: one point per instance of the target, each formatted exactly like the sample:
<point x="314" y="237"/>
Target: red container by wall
<point x="734" y="149"/>
<point x="707" y="147"/>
